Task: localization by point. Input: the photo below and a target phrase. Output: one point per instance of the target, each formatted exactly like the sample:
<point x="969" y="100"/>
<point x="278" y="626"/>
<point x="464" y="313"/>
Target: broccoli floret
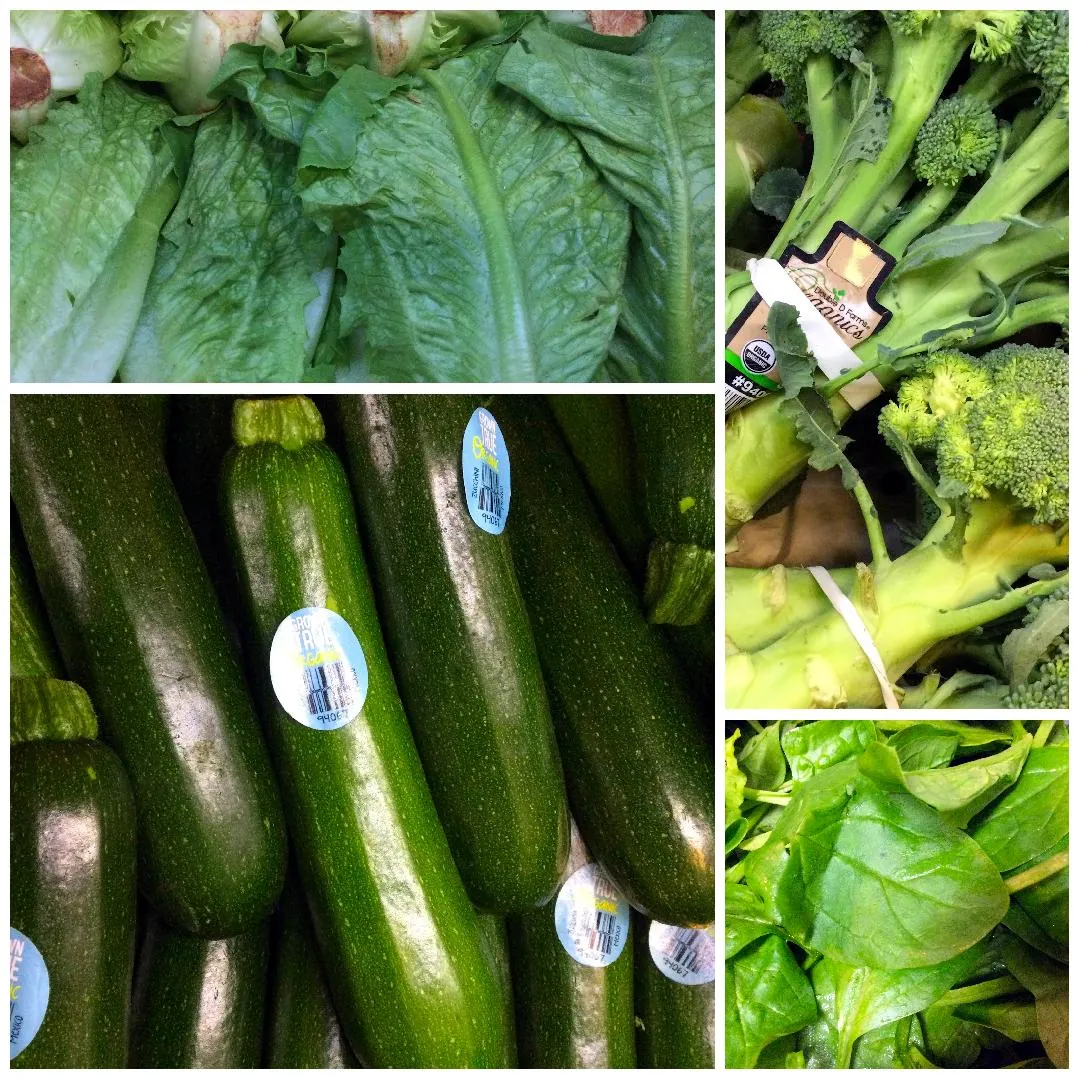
<point x="960" y="138"/>
<point x="1041" y="682"/>
<point x="790" y="38"/>
<point x="1044" y="49"/>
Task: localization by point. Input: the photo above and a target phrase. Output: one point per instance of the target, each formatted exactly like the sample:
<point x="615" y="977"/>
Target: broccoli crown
<point x="1044" y="48"/>
<point x="790" y="38"/>
<point x="1047" y="684"/>
<point x="959" y="138"/>
<point x="993" y="423"/>
<point x="997" y="33"/>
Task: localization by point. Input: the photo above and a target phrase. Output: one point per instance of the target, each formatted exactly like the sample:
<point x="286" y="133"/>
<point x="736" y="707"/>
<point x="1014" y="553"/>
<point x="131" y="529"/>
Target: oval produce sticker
<point x="485" y="471"/>
<point x="29" y="991"/>
<point x="318" y="669"/>
<point x="591" y="917"/>
<point x="683" y="955"/>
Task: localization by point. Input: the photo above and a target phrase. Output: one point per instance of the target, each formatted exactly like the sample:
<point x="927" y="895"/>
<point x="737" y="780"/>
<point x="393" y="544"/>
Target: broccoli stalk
<point x="997" y="427"/>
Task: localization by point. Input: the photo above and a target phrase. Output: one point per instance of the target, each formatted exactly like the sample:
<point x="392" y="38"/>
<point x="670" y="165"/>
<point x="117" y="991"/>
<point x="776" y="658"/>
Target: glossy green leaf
<point x="745" y="919"/>
<point x="734" y="781"/>
<point x="923" y="747"/>
<point x="810" y="748"/>
<point x="762" y="759"/>
<point x="767" y="995"/>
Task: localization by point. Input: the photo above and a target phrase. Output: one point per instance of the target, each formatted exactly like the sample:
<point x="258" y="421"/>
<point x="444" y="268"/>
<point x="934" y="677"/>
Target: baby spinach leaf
<point x="1014" y="1016"/>
<point x="879" y="879"/>
<point x="745" y="919"/>
<point x="762" y="760"/>
<point x="1049" y="983"/>
<point x="924" y="747"/>
<point x="734" y="782"/>
<point x="767" y="995"/>
<point x="1032" y="816"/>
<point x="950" y="1042"/>
<point x="811" y="748"/>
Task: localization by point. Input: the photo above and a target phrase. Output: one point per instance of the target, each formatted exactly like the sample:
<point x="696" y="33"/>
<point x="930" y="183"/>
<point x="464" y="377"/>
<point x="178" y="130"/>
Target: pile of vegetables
<point x="941" y="140"/>
<point x="238" y="196"/>
<point x="322" y="704"/>
<point x="896" y="894"/>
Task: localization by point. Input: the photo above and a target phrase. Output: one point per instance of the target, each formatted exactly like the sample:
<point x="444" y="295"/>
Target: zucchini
<point x="497" y="952"/>
<point x="199" y="1003"/>
<point x="73" y="880"/>
<point x="459" y="636"/>
<point x="395" y="929"/>
<point x="676" y="1023"/>
<point x="596" y="428"/>
<point x="676" y="449"/>
<point x="138" y="625"/>
<point x="33" y="648"/>
<point x="303" y="1030"/>
<point x="569" y="1015"/>
<point x="638" y="766"/>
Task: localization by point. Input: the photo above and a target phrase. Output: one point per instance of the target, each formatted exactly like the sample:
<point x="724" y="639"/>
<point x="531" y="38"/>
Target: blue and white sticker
<point x="485" y="471"/>
<point x="318" y="669"/>
<point x="29" y="991"/>
<point x="592" y="919"/>
<point x="684" y="955"/>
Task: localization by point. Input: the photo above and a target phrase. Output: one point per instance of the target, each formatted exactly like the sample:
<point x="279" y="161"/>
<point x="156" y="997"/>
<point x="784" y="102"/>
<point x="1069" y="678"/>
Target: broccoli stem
<point x="928" y="208"/>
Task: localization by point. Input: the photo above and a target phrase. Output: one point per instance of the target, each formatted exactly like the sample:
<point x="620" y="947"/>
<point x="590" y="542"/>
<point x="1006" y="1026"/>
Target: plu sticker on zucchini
<point x="318" y="669"/>
<point x="485" y="472"/>
<point x="683" y="954"/>
<point x="29" y="991"/>
<point x="591" y="917"/>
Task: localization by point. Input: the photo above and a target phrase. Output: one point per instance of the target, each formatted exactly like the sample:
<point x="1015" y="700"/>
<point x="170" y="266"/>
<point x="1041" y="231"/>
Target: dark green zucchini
<point x="596" y="428"/>
<point x="400" y="941"/>
<point x="138" y="625"/>
<point x="676" y="1023"/>
<point x="676" y="451"/>
<point x="463" y="653"/>
<point x="33" y="648"/>
<point x="303" y="1030"/>
<point x="73" y="882"/>
<point x="199" y="1003"/>
<point x="638" y="767"/>
<point x="569" y="1015"/>
<point x="497" y="951"/>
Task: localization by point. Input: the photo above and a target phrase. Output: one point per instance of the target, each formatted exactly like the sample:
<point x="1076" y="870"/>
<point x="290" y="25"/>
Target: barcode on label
<point x="329" y="688"/>
<point x="683" y="950"/>
<point x="490" y="495"/>
<point x="733" y="399"/>
<point x="602" y="935"/>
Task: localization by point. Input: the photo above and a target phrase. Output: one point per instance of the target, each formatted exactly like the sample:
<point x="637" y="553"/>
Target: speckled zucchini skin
<point x="139" y="627"/>
<point x="199" y="1004"/>
<point x="638" y="767"/>
<point x="569" y="1015"/>
<point x="459" y="636"/>
<point x="497" y="949"/>
<point x="73" y="895"/>
<point x="33" y="648"/>
<point x="397" y="934"/>
<point x="303" y="1030"/>
<point x="676" y="1024"/>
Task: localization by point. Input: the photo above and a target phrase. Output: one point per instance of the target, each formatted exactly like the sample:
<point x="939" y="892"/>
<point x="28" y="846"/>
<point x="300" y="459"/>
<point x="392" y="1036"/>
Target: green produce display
<point x="370" y="852"/>
<point x="302" y="1028"/>
<point x="463" y="651"/>
<point x="33" y="648"/>
<point x="457" y="812"/>
<point x="931" y="930"/>
<point x="674" y="435"/>
<point x="140" y="628"/>
<point x="675" y="1022"/>
<point x="569" y="1015"/>
<point x="199" y="1003"/>
<point x="639" y="769"/>
<point x="72" y="861"/>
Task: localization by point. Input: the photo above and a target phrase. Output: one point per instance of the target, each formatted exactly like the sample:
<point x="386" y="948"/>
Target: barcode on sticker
<point x="329" y="687"/>
<point x="683" y="950"/>
<point x="602" y="937"/>
<point x="490" y="497"/>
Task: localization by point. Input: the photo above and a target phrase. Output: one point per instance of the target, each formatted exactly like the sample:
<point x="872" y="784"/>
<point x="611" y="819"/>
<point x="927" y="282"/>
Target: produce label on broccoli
<point x="591" y="918"/>
<point x="684" y="955"/>
<point x="841" y="280"/>
<point x="29" y="991"/>
<point x="318" y="669"/>
<point x="485" y="471"/>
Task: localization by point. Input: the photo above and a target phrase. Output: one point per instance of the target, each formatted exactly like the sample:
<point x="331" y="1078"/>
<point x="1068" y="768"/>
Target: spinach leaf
<point x="745" y="919"/>
<point x="762" y="759"/>
<point x="1032" y="816"/>
<point x="810" y="748"/>
<point x="922" y="746"/>
<point x="767" y="995"/>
